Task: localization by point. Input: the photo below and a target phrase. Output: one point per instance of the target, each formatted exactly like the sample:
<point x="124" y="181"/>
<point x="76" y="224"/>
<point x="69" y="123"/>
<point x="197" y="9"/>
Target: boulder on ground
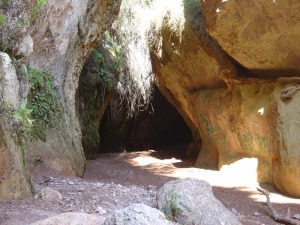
<point x="49" y="195"/>
<point x="137" y="214"/>
<point x="72" y="218"/>
<point x="191" y="202"/>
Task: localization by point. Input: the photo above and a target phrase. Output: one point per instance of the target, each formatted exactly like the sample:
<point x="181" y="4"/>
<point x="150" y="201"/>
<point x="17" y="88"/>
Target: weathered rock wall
<point x="14" y="176"/>
<point x="63" y="35"/>
<point x="228" y="85"/>
<point x="261" y="35"/>
<point x="56" y="38"/>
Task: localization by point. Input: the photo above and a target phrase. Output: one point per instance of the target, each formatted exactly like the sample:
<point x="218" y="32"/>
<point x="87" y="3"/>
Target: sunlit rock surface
<point x="260" y="35"/>
<point x="233" y="110"/>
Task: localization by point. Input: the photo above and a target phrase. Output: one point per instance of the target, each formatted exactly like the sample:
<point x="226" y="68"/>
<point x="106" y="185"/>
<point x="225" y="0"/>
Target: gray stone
<point x="191" y="202"/>
<point x="255" y="214"/>
<point x="26" y="46"/>
<point x="234" y="211"/>
<point x="9" y="86"/>
<point x="297" y="216"/>
<point x="73" y="218"/>
<point x="100" y="210"/>
<point x="50" y="195"/>
<point x="137" y="214"/>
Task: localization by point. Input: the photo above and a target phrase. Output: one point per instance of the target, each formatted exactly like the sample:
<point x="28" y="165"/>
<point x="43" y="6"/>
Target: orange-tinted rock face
<point x="250" y="117"/>
<point x="260" y="35"/>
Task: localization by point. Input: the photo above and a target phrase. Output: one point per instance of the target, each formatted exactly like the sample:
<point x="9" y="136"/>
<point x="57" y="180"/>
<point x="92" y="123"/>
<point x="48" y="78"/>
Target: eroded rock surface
<point x="260" y="35"/>
<point x="236" y="111"/>
<point x="74" y="218"/>
<point x="63" y="36"/>
<point x="191" y="202"/>
<point x="137" y="214"/>
<point x="14" y="177"/>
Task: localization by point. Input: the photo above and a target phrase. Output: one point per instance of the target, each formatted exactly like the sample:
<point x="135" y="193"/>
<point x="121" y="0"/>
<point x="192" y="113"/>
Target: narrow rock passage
<point x="116" y="180"/>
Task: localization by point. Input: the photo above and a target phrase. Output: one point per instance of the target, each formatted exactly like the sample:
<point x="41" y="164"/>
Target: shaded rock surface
<point x="63" y="36"/>
<point x="137" y="214"/>
<point x="72" y="218"/>
<point x="191" y="202"/>
<point x="14" y="177"/>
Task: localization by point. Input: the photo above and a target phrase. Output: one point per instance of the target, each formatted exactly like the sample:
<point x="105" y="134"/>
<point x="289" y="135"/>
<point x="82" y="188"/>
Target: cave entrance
<point x="159" y="128"/>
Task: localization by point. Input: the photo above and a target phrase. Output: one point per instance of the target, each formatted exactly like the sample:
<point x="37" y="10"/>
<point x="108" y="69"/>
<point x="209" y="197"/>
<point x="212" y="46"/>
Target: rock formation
<point x="14" y="177"/>
<point x="137" y="214"/>
<point x="63" y="35"/>
<point x="233" y="76"/>
<point x="191" y="201"/>
<point x="56" y="37"/>
<point x="75" y="218"/>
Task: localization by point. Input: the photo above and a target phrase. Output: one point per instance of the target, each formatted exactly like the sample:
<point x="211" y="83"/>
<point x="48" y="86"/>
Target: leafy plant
<point x="105" y="76"/>
<point x="45" y="107"/>
<point x="23" y="115"/>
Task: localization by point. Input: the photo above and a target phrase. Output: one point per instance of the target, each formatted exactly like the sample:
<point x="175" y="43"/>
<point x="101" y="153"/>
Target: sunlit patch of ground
<point x="241" y="173"/>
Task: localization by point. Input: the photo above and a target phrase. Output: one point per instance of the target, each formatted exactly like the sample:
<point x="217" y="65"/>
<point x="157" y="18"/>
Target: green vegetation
<point x="102" y="71"/>
<point x="2" y="19"/>
<point x="170" y="211"/>
<point x="109" y="70"/>
<point x="23" y="115"/>
<point x="37" y="8"/>
<point x="43" y="102"/>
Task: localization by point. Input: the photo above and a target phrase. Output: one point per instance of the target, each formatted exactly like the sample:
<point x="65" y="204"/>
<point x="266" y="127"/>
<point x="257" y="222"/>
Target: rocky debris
<point x="296" y="216"/>
<point x="100" y="210"/>
<point x="50" y="195"/>
<point x="191" y="201"/>
<point x="96" y="197"/>
<point x="256" y="214"/>
<point x="72" y="218"/>
<point x="137" y="214"/>
<point x="234" y="211"/>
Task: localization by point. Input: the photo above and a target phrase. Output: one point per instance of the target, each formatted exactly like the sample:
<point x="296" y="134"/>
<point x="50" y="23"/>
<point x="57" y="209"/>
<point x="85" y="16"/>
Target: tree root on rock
<point x="280" y="219"/>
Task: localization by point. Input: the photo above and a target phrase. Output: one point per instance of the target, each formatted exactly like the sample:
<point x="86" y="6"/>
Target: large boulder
<point x="137" y="214"/>
<point x="260" y="35"/>
<point x="191" y="202"/>
<point x="72" y="218"/>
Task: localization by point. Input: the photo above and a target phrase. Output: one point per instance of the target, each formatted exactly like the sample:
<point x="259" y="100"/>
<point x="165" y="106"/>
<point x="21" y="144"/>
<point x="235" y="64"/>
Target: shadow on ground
<point x="237" y="191"/>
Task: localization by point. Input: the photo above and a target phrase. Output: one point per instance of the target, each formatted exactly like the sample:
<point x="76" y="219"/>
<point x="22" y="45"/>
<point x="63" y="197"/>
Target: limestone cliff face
<point x="235" y="113"/>
<point x="63" y="36"/>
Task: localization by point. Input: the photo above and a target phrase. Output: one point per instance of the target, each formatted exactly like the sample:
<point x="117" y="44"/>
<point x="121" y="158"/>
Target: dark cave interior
<point x="160" y="128"/>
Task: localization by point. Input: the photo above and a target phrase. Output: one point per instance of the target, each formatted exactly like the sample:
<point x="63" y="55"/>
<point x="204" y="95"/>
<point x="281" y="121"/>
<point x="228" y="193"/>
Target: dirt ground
<point x="116" y="180"/>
